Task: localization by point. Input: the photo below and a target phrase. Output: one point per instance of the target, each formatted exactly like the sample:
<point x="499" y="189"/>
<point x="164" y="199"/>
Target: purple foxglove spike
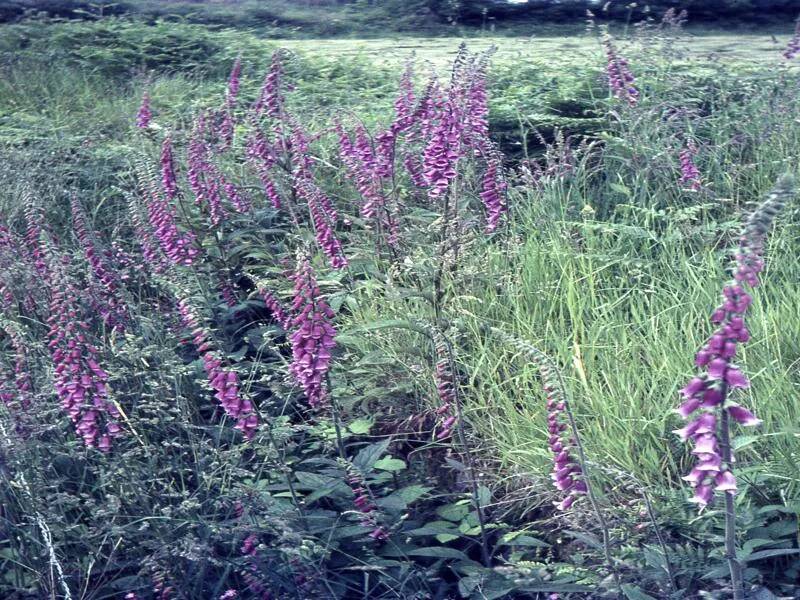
<point x="144" y="116"/>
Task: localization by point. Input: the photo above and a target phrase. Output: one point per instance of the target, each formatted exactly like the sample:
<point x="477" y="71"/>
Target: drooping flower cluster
<point x="110" y="305"/>
<point x="793" y="47"/>
<point x="363" y="502"/>
<point x="442" y="151"/>
<point x="148" y="244"/>
<point x="706" y="397"/>
<point x="493" y="194"/>
<point x="208" y="184"/>
<point x="313" y="336"/>
<point x="620" y="78"/>
<point x="224" y="382"/>
<point x="567" y="474"/>
<point x="80" y="382"/>
<point x="690" y="175"/>
<point x="144" y="116"/>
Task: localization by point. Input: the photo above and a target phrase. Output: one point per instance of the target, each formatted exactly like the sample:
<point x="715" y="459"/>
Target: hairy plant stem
<point x="601" y="520"/>
<point x="462" y="438"/>
<point x="667" y="564"/>
<point x="730" y="509"/>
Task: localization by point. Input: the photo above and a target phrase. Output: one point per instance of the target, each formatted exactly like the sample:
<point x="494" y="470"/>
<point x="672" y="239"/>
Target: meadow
<point x="398" y="317"/>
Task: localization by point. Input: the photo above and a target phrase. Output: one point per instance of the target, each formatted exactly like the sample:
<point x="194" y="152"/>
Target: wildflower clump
<point x="707" y="404"/>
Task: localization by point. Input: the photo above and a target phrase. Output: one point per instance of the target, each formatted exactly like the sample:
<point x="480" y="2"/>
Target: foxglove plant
<point x="493" y="193"/>
<point x="144" y="116"/>
<point x="224" y="382"/>
<point x="80" y="382"/>
<point x="442" y="151"/>
<point x="111" y="305"/>
<point x="323" y="217"/>
<point x="364" y="504"/>
<point x="178" y="246"/>
<point x="270" y="100"/>
<point x="276" y="308"/>
<point x="690" y="175"/>
<point x="18" y="399"/>
<point x="169" y="181"/>
<point x="620" y="78"/>
<point x="707" y="404"/>
<point x="313" y="337"/>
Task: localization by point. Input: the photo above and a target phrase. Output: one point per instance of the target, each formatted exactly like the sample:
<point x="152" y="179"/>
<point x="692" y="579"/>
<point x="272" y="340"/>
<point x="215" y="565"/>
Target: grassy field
<point x="606" y="260"/>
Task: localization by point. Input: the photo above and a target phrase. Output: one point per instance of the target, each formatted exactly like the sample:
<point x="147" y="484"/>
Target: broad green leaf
<point x="361" y="426"/>
<point x="367" y="457"/>
<point x="390" y="464"/>
<point x="439" y="552"/>
<point x="633" y="592"/>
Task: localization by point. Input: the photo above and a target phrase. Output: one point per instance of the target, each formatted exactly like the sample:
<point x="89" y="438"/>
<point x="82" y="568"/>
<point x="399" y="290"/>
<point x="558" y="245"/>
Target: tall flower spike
<point x="144" y="116"/>
<point x="177" y="246"/>
<point x="168" y="179"/>
<point x="313" y="336"/>
<point x="224" y="382"/>
<point x="324" y="217"/>
<point x="705" y="397"/>
<point x="494" y="193"/>
<point x="620" y="78"/>
<point x="442" y="151"/>
<point x="690" y="175"/>
<point x="269" y="99"/>
<point x="368" y="511"/>
<point x="80" y="382"/>
<point x="568" y="475"/>
<point x="111" y="306"/>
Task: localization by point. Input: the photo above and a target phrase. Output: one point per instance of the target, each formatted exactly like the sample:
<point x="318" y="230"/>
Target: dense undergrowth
<point x="312" y="337"/>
